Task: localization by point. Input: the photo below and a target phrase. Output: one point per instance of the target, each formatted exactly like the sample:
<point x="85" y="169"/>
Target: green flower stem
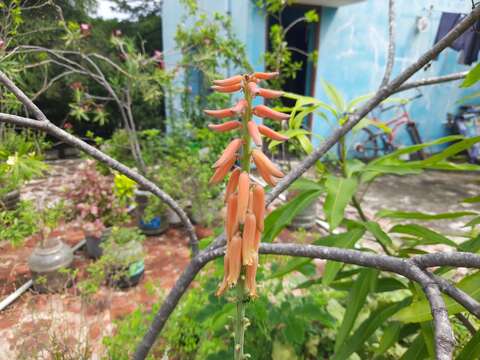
<point x="245" y="162"/>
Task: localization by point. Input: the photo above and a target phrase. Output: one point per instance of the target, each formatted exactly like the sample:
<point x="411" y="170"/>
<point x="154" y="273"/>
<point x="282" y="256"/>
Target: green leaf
<point x="389" y="338"/>
<point x="450" y="151"/>
<point x="425" y="234"/>
<point x="472" y="77"/>
<point x="472" y="349"/>
<point x="356" y="299"/>
<point x="339" y="193"/>
<point x="335" y="97"/>
<point x="474" y="222"/>
<point x="376" y="319"/>
<point x="422" y="216"/>
<point x="472" y="200"/>
<point x="296" y="264"/>
<point x="472" y="245"/>
<point x="375" y="229"/>
<point x="383" y="285"/>
<point x="417" y="349"/>
<point x="305" y="184"/>
<point x="345" y="240"/>
<point x="278" y="219"/>
<point x="419" y="311"/>
<point x="428" y="337"/>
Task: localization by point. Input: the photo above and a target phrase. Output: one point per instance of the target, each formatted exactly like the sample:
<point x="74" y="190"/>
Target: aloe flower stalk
<point x="245" y="201"/>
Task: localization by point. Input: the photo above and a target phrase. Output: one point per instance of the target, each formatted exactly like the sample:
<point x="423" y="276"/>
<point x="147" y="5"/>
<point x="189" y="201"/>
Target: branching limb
<point x="431" y="81"/>
<point x="391" y="44"/>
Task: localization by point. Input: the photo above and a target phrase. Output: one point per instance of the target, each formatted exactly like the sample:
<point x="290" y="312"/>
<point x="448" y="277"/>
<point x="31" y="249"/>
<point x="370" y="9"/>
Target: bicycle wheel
<point x="369" y="148"/>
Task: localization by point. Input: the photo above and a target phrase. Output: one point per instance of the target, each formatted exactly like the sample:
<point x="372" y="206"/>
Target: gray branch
<point x="431" y="81"/>
<point x="391" y="44"/>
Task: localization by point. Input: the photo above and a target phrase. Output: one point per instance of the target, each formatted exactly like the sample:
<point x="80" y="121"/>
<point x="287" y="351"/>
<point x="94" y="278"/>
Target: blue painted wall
<point x="352" y="51"/>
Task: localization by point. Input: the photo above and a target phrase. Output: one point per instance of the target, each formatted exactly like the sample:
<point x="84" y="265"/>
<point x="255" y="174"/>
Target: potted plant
<point x="19" y="162"/>
<point x="151" y="213"/>
<point x="124" y="256"/>
<point x="51" y="258"/>
<point x="93" y="200"/>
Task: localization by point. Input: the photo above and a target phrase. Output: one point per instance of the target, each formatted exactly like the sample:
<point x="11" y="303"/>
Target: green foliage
<point x="124" y="235"/>
<point x="18" y="224"/>
<point x="20" y="158"/>
<point x="472" y="77"/>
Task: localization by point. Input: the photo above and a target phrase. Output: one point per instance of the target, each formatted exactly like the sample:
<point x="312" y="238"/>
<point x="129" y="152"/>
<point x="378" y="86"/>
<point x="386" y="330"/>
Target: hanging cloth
<point x="468" y="43"/>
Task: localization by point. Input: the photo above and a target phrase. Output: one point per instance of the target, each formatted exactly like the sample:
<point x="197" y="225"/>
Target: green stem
<point x="239" y="321"/>
<point x="245" y="162"/>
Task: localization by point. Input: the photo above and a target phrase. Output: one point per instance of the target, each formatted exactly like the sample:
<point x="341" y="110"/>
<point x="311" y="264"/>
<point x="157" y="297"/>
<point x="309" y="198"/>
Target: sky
<point x="104" y="11"/>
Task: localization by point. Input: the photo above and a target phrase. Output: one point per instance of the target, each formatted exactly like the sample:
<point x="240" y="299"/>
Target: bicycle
<point x="467" y="123"/>
<point x="376" y="142"/>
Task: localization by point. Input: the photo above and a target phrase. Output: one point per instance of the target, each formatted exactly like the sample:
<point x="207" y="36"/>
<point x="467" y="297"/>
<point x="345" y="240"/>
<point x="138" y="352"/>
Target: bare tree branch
<point x="391" y="44"/>
<point x="431" y="81"/>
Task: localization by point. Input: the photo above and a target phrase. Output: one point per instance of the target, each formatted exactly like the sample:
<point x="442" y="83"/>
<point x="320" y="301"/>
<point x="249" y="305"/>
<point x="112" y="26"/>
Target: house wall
<point x="352" y="51"/>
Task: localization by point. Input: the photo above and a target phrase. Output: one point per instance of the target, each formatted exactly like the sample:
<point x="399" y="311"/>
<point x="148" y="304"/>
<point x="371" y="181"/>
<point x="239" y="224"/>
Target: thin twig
<point x="391" y="44"/>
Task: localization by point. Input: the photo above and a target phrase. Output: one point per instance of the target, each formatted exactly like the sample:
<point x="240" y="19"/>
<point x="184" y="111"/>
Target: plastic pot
<point x="93" y="244"/>
<point x="306" y="219"/>
<point x="130" y="275"/>
<point x="10" y="200"/>
<point x="156" y="226"/>
<point x="46" y="265"/>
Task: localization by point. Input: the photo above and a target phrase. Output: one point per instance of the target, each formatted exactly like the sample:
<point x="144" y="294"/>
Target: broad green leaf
<point x="417" y="349"/>
<point x="414" y="148"/>
<point x="345" y="240"/>
<point x="425" y="234"/>
<point x="305" y="184"/>
<point x="360" y="99"/>
<point x="278" y="219"/>
<point x="339" y="194"/>
<point x="375" y="229"/>
<point x="420" y="310"/>
<point x="353" y="166"/>
<point x="365" y="122"/>
<point x="450" y="151"/>
<point x="389" y="338"/>
<point x="472" y="77"/>
<point x="392" y="214"/>
<point x="335" y="97"/>
<point x="376" y="319"/>
<point x="472" y="349"/>
<point x="356" y="300"/>
<point x="305" y="143"/>
<point x="296" y="264"/>
<point x="383" y="285"/>
<point x="472" y="200"/>
<point x="428" y="337"/>
<point x="472" y="245"/>
<point x="474" y="222"/>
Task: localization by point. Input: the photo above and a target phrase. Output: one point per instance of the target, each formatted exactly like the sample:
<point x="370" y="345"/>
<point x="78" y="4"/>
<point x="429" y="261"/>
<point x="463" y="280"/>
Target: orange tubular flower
<point x="251" y="273"/>
<point x="265" y="112"/>
<point x="231" y="222"/>
<point x="240" y="106"/>
<point x="260" y="158"/>
<point x="272" y="134"/>
<point x="266" y="75"/>
<point x="227" y="89"/>
<point x="245" y="202"/>
<point x="269" y="94"/>
<point x="234" y="249"/>
<point x="248" y="240"/>
<point x="229" y="152"/>
<point x="222" y="171"/>
<point x="224" y="284"/>
<point x="254" y="133"/>
<point x="234" y="80"/>
<point x="220" y="114"/>
<point x="243" y="194"/>
<point x="232" y="183"/>
<point x="226" y="126"/>
<point x="258" y="206"/>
